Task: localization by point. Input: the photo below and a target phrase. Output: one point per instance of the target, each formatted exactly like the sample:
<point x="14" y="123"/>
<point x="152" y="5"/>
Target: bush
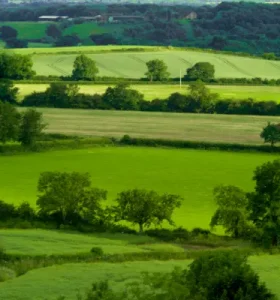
<point x="179" y="234"/>
<point x="6" y="274"/>
<point x="97" y="251"/>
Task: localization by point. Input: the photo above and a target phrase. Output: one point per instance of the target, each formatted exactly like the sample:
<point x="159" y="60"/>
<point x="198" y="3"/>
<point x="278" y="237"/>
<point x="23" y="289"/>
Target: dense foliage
<point x="215" y="276"/>
<point x="121" y="97"/>
<point x="271" y="134"/>
<point x="25" y="127"/>
<point x="15" y="66"/>
<point x="84" y="68"/>
<point x="253" y="215"/>
<point x="238" y="27"/>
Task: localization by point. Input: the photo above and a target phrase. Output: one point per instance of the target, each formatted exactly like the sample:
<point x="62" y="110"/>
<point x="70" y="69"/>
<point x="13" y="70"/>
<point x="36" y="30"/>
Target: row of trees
<point x="85" y="69"/>
<point x="198" y="100"/>
<point x="25" y="127"/>
<point x="69" y="199"/>
<point x="254" y="215"/>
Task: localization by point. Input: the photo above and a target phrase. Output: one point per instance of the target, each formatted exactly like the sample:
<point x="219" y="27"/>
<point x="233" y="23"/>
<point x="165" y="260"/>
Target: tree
<point x="157" y="70"/>
<point x="232" y="210"/>
<point x="60" y="94"/>
<point x="144" y="207"/>
<point x="16" y="43"/>
<point x="121" y="97"/>
<point x="203" y="71"/>
<point x="7" y="32"/>
<point x="84" y="68"/>
<point x="264" y="202"/>
<point x="218" y="43"/>
<point x="271" y="134"/>
<point x="224" y="276"/>
<point x="16" y="66"/>
<point x="69" y="196"/>
<point x="9" y="123"/>
<point x="53" y="31"/>
<point x="31" y="127"/>
<point x="201" y="96"/>
<point x="8" y="92"/>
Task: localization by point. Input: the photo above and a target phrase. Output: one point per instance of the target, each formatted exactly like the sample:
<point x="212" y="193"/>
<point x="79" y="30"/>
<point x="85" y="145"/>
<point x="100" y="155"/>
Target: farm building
<point x="53" y="18"/>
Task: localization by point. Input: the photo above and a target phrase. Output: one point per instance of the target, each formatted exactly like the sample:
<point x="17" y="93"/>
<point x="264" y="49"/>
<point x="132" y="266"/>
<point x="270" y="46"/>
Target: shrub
<point x="6" y="274"/>
<point x="97" y="251"/>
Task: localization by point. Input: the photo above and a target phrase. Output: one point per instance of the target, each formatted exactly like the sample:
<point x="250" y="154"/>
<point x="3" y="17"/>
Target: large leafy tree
<point x="16" y="66"/>
<point x="69" y="196"/>
<point x="144" y="207"/>
<point x="31" y="127"/>
<point x="9" y="122"/>
<point x="84" y="68"/>
<point x="224" y="276"/>
<point x="8" y="92"/>
<point x="157" y="70"/>
<point x="264" y="202"/>
<point x="53" y="31"/>
<point x="121" y="97"/>
<point x="8" y="32"/>
<point x="232" y="210"/>
<point x="271" y="134"/>
<point x="201" y="71"/>
<point x="201" y="97"/>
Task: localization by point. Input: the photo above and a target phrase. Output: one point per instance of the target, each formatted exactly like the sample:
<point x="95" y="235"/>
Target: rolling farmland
<point x="195" y="127"/>
<point x="70" y="279"/>
<point x="59" y="61"/>
<point x="182" y="172"/>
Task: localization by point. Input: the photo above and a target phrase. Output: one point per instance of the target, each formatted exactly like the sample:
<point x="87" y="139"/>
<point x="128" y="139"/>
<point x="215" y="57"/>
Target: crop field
<point x="190" y="173"/>
<point x="177" y="126"/>
<point x="70" y="279"/>
<point x="163" y="91"/>
<point x="40" y="242"/>
<point x="59" y="61"/>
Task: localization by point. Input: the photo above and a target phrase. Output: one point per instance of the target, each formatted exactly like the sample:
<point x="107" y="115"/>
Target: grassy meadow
<point x="178" y="126"/>
<point x="260" y="93"/>
<point x="190" y="173"/>
<point x="70" y="279"/>
<point x="41" y="242"/>
<point x="127" y="64"/>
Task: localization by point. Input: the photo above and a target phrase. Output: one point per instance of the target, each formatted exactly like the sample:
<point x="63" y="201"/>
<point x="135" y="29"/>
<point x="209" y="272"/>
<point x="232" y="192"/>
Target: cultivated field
<point x="178" y="126"/>
<point x="69" y="279"/>
<point x="190" y="173"/>
<point x="59" y="61"/>
<point x="163" y="91"/>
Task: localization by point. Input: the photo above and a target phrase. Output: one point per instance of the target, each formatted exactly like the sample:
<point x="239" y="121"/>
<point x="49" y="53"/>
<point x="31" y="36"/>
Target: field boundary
<point x="181" y="144"/>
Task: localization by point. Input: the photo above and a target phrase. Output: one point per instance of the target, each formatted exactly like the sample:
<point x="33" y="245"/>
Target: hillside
<point x="132" y="64"/>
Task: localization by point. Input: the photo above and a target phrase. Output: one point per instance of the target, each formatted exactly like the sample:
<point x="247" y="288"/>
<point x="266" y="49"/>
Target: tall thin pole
<point x="180" y="78"/>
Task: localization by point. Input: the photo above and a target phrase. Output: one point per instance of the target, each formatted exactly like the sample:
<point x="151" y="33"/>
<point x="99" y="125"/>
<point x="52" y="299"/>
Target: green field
<point x="195" y="127"/>
<point x="40" y="242"/>
<point x="190" y="173"/>
<point x="71" y="279"/>
<point x="59" y="61"/>
<point x="163" y="91"/>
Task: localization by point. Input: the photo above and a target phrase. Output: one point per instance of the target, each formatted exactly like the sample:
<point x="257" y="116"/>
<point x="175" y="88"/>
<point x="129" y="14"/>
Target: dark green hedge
<point x="127" y="140"/>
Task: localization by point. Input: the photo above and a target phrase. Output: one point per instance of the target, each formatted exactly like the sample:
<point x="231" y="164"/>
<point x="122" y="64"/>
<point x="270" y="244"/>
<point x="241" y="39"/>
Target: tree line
<point x="121" y="97"/>
<point x="69" y="199"/>
<point x="25" y="127"/>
